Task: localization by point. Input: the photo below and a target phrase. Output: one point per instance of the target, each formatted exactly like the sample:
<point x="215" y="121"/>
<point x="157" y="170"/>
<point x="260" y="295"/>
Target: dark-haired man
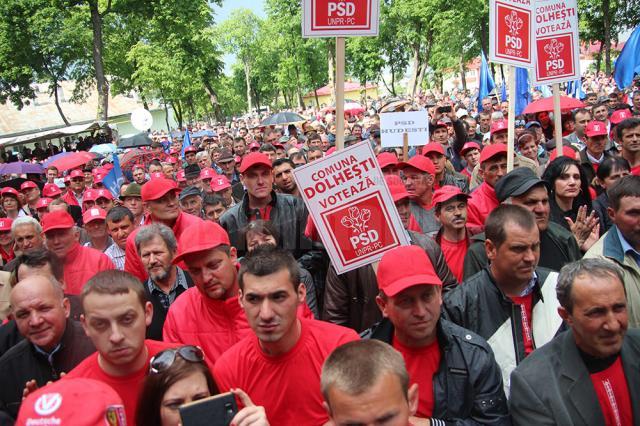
<point x="512" y="302"/>
<point x="628" y="136"/>
<point x="120" y="223"/>
<point x="283" y="177"/>
<point x="587" y="375"/>
<point x="285" y="353"/>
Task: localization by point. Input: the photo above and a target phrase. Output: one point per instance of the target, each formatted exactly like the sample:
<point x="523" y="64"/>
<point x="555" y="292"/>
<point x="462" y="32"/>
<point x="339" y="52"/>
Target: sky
<point x="222" y="13"/>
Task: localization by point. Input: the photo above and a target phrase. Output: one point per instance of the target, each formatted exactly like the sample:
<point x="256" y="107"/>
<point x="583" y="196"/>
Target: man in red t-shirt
<point x="493" y="165"/>
<point x="441" y="357"/>
<point x="366" y="382"/>
<point x="207" y="315"/>
<point x="453" y="236"/>
<point x="279" y="365"/>
<point x="116" y="316"/>
<point x="419" y="177"/>
<point x="628" y="136"/>
<point x="588" y="375"/>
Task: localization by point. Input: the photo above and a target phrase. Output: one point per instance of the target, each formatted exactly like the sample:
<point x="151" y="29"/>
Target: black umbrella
<point x="141" y="139"/>
<point x="283" y="118"/>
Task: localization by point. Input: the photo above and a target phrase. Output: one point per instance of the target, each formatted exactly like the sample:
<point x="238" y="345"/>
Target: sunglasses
<point x="165" y="359"/>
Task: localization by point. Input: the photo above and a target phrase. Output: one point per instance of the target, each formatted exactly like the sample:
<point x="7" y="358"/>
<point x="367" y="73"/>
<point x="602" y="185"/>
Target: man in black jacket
<point x="511" y="303"/>
<point x="53" y="343"/>
<point x="457" y="375"/>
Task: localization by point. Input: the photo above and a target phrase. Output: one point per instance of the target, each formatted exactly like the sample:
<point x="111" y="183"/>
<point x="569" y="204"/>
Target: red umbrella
<point x="136" y="156"/>
<point x="73" y="160"/>
<point x="546" y="104"/>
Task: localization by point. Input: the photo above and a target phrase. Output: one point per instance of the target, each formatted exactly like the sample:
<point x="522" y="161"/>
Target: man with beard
<point x="156" y="246"/>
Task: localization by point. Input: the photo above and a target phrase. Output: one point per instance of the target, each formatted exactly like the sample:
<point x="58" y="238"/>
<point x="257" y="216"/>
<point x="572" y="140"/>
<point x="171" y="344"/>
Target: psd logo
<point x="555" y="56"/>
<point x="513" y="29"/>
<point x="361" y="229"/>
<point x="341" y="13"/>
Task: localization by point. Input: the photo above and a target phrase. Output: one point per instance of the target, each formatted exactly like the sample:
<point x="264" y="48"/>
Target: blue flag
<point x="114" y="178"/>
<point x="628" y="63"/>
<point x="523" y="94"/>
<point x="574" y="89"/>
<point x="486" y="82"/>
<point x="503" y="96"/>
<point x="186" y="141"/>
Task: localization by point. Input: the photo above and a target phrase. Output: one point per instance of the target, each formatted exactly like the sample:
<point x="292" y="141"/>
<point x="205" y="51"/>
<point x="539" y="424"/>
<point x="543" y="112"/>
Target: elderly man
<point x="207" y="315"/>
<point x="156" y="246"/>
<point x="53" y="343"/>
<point x="511" y="303"/>
<point x="120" y="223"/>
<point x="588" y="375"/>
<point x="287" y="213"/>
<point x="622" y="242"/>
<point x="371" y="371"/>
<point x="433" y="348"/>
<point x="96" y="227"/>
<point x="73" y="197"/>
<point x="159" y="197"/>
<point x="285" y="353"/>
<point x="80" y="263"/>
<point x="27" y="235"/>
<point x="191" y="200"/>
<point x="419" y="178"/>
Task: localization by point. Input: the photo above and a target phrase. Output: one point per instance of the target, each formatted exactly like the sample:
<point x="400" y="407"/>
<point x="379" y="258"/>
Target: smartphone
<point x="216" y="410"/>
<point x="444" y="109"/>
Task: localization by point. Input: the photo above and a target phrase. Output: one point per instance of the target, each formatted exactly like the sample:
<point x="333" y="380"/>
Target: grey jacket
<point x="467" y="388"/>
<point x="288" y="215"/>
<point x="553" y="387"/>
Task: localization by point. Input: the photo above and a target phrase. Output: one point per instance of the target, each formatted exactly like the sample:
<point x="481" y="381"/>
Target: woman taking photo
<point x="570" y="200"/>
<point x="179" y="376"/>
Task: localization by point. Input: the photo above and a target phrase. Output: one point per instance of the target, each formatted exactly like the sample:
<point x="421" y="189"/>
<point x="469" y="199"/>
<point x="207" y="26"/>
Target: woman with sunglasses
<point x="179" y="376"/>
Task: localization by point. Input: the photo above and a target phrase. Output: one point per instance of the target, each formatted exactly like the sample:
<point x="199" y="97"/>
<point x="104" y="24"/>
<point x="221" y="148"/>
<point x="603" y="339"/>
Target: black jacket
<point x="480" y="306"/>
<point x="455" y="179"/>
<point x="288" y="215"/>
<point x="23" y="363"/>
<point x="350" y="298"/>
<point x="467" y="387"/>
<point x="154" y="331"/>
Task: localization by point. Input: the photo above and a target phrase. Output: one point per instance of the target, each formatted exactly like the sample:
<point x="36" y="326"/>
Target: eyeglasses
<point x="166" y="358"/>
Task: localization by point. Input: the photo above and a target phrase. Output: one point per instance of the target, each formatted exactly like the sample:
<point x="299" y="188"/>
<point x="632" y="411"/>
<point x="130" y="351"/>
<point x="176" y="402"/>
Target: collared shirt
<point x="594" y="160"/>
<point x="530" y="286"/>
<point x="48" y="355"/>
<point x="168" y="298"/>
<point x="117" y="255"/>
<point x="626" y="247"/>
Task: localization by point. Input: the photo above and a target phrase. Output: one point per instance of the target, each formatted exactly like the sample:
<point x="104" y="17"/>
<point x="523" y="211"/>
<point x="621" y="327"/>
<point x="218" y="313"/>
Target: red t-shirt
<point x="128" y="387"/>
<point x="454" y="253"/>
<point x="422" y="365"/>
<point x="526" y="307"/>
<point x="635" y="170"/>
<point x="288" y="385"/>
<point x="613" y="394"/>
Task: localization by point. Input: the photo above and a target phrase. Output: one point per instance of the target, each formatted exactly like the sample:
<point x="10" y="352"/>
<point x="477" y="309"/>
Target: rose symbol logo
<point x="356" y="219"/>
<point x="554" y="48"/>
<point x="514" y="23"/>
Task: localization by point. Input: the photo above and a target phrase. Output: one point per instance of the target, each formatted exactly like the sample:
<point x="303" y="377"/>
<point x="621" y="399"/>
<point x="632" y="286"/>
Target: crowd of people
<point x="516" y="302"/>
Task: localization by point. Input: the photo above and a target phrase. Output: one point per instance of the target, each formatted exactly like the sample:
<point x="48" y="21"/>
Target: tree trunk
<point x="415" y="70"/>
<point x="98" y="64"/>
<point x="247" y="76"/>
<point x="331" y="58"/>
<point x="606" y="21"/>
<point x="177" y="111"/>
<point x="213" y="98"/>
<point x="57" y="101"/>
<point x="599" y="58"/>
<point x="315" y="94"/>
<point x="145" y="104"/>
<point x="463" y="70"/>
<point x="166" y="115"/>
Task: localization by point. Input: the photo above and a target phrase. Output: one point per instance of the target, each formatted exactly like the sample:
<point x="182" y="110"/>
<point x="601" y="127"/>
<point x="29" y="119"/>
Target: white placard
<point x="340" y="18"/>
<point x="393" y="126"/>
<point x="511" y="32"/>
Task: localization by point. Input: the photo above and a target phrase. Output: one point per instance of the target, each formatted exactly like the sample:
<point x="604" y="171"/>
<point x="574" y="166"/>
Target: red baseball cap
<point x="157" y="188"/>
<point x="620" y="115"/>
<point x="386" y="159"/>
<point x="440" y="124"/>
<point x="254" y="145"/>
<point x="446" y="193"/>
<point x="396" y="188"/>
<point x="404" y="267"/>
<point x="98" y="178"/>
<point x="207" y="173"/>
<point x="567" y="151"/>
<point x="94" y="213"/>
<point x="421" y="163"/>
<point x="204" y="235"/>
<point x="156" y="175"/>
<point x="43" y="203"/>
<point x="171" y="160"/>
<point x="174" y="152"/>
<point x="432" y="147"/>
<point x="190" y="148"/>
<point x="254" y="159"/>
<point x="499" y="126"/>
<point x="9" y="191"/>
<point x="58" y="219"/>
<point x="76" y="173"/>
<point x="180" y="176"/>
<point x="595" y="128"/>
<point x="28" y="185"/>
<point x="5" y="224"/>
<point x="103" y="193"/>
<point x="219" y="183"/>
<point x="89" y="195"/>
<point x="77" y="401"/>
<point x="491" y="151"/>
<point x="469" y="146"/>
<point x="51" y="190"/>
